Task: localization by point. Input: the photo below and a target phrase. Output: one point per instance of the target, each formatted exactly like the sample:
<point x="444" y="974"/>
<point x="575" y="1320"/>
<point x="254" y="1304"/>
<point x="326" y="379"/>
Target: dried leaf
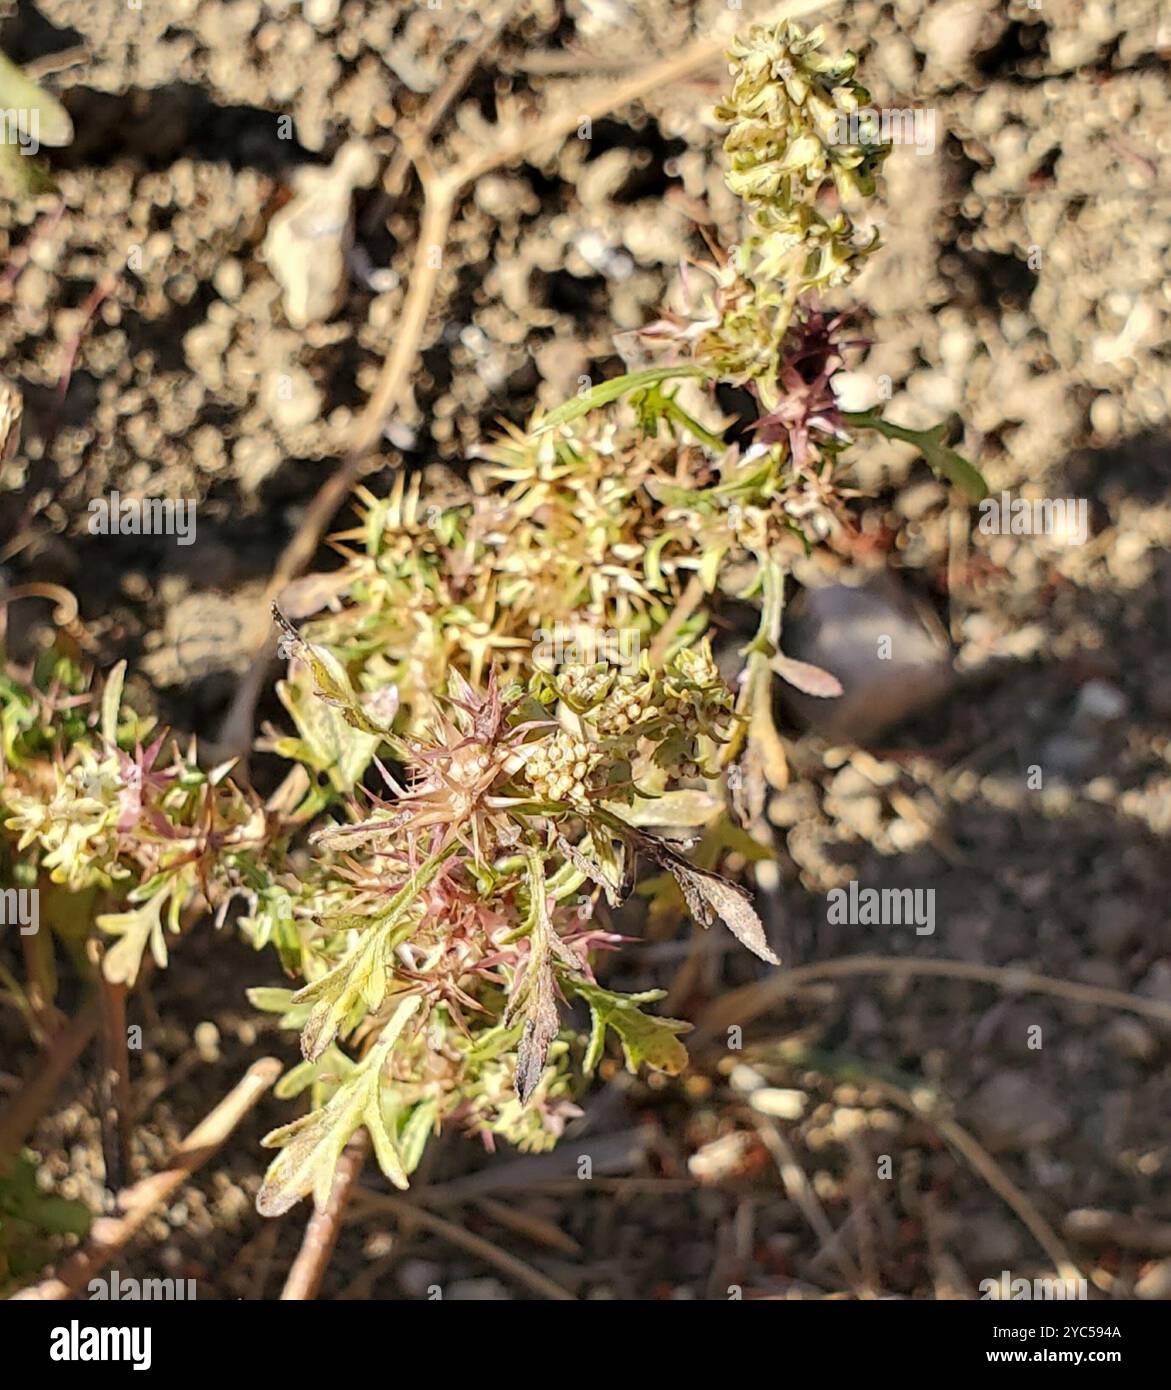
<point x="709" y="895"/>
<point x="534" y="994"/>
<point x="329" y="677"/>
<point x="804" y="676"/>
<point x="607" y="875"/>
<point x="541" y="1025"/>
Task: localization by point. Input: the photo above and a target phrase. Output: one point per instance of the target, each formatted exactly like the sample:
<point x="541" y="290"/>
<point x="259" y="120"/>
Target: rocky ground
<point x="1022" y="291"/>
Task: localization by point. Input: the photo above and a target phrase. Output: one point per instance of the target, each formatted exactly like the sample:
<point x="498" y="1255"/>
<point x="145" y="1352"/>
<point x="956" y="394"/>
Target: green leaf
<point x="360" y="977"/>
<point x="683" y="809"/>
<point x="327" y="1073"/>
<point x="311" y="1146"/>
<point x="21" y="1198"/>
<point x="111" y="702"/>
<point x="137" y="928"/>
<point x="38" y="119"/>
<point x="650" y="563"/>
<point x="709" y="567"/>
<point x="416" y="1131"/>
<point x="608" y="391"/>
<point x="644" y="1038"/>
<point x="329" y="742"/>
<point x="931" y="444"/>
<point x="53" y="125"/>
<point x="702" y="500"/>
<point x="270" y="1001"/>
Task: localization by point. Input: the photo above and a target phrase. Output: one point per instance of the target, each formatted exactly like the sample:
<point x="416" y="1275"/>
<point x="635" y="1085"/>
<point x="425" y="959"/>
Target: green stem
<point x="608" y="391"/>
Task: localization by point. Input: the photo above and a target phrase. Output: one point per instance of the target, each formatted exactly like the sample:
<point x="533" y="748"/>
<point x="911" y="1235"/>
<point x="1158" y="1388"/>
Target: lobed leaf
<point x="645" y="1039"/>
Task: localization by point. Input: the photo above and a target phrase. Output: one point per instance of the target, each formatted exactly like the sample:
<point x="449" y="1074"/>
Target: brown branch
<point x="114" y="1078"/>
<point x="749" y="1002"/>
<point x="45" y="1017"/>
<point x="110" y="1234"/>
<point x="535" y="134"/>
<point x="423" y="126"/>
<point x="408" y="1211"/>
<point x="324" y="1225"/>
<point x="19" y="1117"/>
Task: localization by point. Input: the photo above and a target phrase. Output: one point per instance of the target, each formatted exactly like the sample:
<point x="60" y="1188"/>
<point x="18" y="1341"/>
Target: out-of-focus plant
<point x="29" y="118"/>
<point x="32" y="1222"/>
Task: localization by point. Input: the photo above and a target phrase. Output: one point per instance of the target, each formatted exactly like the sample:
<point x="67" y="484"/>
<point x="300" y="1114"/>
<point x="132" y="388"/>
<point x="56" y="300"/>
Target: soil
<point x="1021" y="293"/>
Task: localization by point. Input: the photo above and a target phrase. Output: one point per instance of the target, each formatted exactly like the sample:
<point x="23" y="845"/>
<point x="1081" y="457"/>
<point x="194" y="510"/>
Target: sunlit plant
<point x="462" y="814"/>
<point x="449" y="916"/>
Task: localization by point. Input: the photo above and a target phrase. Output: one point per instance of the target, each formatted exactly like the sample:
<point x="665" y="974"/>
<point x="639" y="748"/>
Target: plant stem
<point x="324" y="1225"/>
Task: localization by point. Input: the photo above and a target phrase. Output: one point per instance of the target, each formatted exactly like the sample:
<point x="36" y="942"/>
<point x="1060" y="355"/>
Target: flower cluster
<point x="98" y="813"/>
<point x="786" y="111"/>
<point x="440" y="930"/>
<point x="562" y="768"/>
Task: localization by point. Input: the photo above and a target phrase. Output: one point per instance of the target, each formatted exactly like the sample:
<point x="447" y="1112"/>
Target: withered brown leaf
<point x="709" y="895"/>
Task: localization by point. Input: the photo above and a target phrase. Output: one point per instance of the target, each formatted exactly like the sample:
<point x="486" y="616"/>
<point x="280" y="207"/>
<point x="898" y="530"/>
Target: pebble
<point x="1011" y="1111"/>
<point x="1132" y="1038"/>
<point x="1156" y="983"/>
<point x="307" y="241"/>
<point x="1099" y="702"/>
<point x="207" y="1041"/>
<point x="290" y="397"/>
<point x="780" y="1103"/>
<point x="991" y="1243"/>
<point x="228" y="279"/>
<point x="1116" y="924"/>
<point x="320" y="13"/>
<point x="886" y="649"/>
<point x="1156" y="1282"/>
<point x="477" y="1291"/>
<point x="1106" y="417"/>
<point x="417" y="1277"/>
<point x="1067" y="755"/>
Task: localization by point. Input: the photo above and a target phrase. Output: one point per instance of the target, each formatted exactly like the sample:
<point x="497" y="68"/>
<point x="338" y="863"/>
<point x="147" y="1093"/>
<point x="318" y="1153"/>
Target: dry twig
<point x="800" y="1192"/>
<point x="408" y="1211"/>
<point x="114" y="1081"/>
<point x="925" y="1105"/>
<point x="321" y="1233"/>
<point x="745" y="1004"/>
<point x="21" y="1114"/>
